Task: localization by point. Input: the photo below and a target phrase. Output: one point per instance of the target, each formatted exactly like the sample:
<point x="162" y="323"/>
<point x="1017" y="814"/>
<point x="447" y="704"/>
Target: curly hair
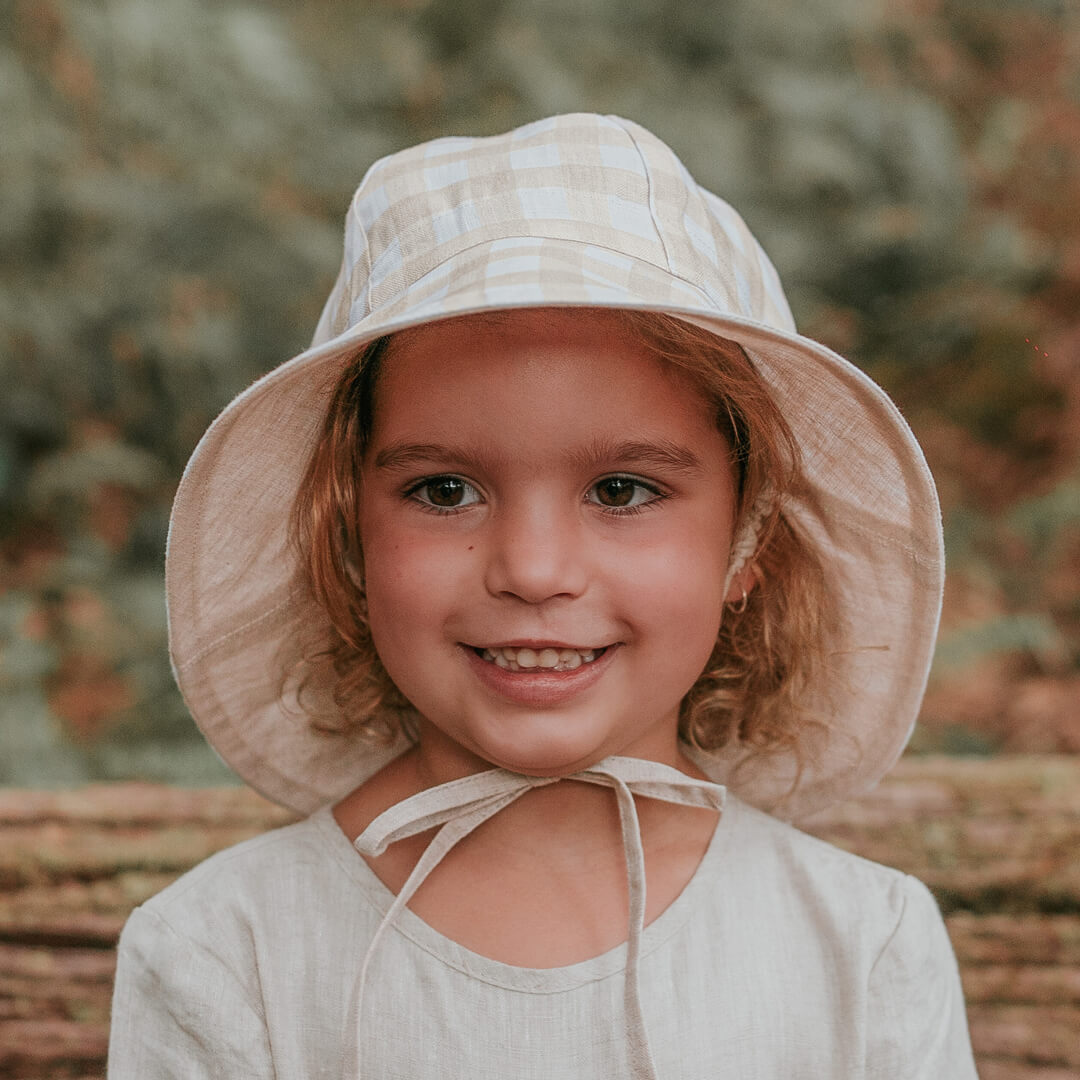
<point x="769" y="647"/>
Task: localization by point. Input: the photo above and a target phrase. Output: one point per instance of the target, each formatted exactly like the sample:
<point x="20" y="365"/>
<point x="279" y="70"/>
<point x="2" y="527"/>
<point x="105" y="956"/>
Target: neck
<point x="438" y="759"/>
<point x="572" y="820"/>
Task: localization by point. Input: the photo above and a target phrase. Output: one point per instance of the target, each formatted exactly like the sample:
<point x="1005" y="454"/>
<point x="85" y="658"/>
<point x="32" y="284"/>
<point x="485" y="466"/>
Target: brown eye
<point x="616" y="491"/>
<point x="623" y="494"/>
<point x="445" y="493"/>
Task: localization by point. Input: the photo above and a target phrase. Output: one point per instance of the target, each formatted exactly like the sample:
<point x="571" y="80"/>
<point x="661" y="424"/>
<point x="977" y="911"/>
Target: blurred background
<point x="173" y="178"/>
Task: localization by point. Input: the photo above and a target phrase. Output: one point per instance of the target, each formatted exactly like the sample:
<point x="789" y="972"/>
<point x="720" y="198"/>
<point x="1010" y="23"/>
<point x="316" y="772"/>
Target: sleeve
<point x="178" y="1011"/>
<point x="916" y="1021"/>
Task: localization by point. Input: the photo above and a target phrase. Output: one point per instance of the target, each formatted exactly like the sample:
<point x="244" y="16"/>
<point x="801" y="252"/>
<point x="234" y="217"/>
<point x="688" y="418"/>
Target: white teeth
<point x="548" y="659"/>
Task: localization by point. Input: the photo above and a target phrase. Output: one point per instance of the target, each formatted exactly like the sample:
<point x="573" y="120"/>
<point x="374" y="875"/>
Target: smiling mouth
<point x="548" y="659"/>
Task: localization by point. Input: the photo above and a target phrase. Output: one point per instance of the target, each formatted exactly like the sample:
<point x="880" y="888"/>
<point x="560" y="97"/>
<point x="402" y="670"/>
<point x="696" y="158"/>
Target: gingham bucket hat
<point x="576" y="210"/>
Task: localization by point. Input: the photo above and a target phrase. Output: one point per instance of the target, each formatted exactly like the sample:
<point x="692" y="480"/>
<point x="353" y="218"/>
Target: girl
<point x="557" y="559"/>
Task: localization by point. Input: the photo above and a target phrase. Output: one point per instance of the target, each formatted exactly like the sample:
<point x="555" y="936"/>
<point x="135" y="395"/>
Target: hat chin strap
<point x="461" y="805"/>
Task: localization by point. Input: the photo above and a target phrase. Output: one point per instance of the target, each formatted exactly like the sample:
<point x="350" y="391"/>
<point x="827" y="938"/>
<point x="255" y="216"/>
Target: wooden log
<point x="986" y="835"/>
<point x="1010" y="1069"/>
<point x="997" y="841"/>
<point x="54" y="851"/>
<point x="64" y="984"/>
<point x="30" y="1049"/>
<point x="1031" y="1034"/>
<point x="966" y="833"/>
<point x="1027" y="984"/>
<point x="141" y="804"/>
<point x="76" y="913"/>
<point x="1012" y="939"/>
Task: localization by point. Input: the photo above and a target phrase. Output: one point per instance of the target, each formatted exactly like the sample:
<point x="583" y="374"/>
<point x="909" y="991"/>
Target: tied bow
<point x="462" y="805"/>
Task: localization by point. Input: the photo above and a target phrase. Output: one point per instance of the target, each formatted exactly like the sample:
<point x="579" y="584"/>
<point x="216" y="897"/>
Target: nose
<point x="536" y="553"/>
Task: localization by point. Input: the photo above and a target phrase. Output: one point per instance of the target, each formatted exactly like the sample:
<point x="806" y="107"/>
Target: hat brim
<point x="239" y="607"/>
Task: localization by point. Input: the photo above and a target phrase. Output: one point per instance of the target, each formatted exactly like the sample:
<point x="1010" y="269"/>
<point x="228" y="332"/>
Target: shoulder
<point x="296" y="848"/>
<point x="863" y="943"/>
<point x="837" y="890"/>
<point x="846" y="924"/>
<point x="773" y="840"/>
<point x="240" y="894"/>
<point x="192" y="962"/>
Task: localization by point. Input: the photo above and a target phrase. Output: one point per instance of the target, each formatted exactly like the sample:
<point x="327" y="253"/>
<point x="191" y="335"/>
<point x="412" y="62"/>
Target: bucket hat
<point x="574" y="210"/>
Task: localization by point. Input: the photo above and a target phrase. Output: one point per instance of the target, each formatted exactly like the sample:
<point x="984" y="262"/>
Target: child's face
<point x="541" y="483"/>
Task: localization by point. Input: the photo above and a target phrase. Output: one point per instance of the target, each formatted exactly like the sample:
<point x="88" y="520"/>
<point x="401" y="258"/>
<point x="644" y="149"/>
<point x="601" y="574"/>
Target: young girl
<point x="555" y="561"/>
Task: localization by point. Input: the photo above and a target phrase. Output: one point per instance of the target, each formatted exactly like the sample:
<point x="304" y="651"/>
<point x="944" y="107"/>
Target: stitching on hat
<point x="237" y="631"/>
<point x="884" y="541"/>
<point x="713" y="309"/>
<point x="652" y="202"/>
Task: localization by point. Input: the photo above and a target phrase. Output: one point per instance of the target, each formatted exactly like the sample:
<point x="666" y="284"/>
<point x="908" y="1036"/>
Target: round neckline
<point x="510" y="976"/>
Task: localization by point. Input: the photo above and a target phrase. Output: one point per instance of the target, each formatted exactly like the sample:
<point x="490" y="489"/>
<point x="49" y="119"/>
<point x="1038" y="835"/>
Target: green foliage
<point x="1044" y="520"/>
<point x="1034" y="634"/>
<point x="175" y="172"/>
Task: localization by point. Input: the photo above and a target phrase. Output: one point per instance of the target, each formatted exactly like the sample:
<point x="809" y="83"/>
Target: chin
<point x="544" y="756"/>
<point x="550" y="766"/>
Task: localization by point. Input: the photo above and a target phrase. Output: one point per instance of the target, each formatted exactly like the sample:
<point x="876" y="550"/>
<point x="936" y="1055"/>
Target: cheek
<point x="677" y="587"/>
<point x="396" y="576"/>
<point x="410" y="581"/>
<point x="683" y="562"/>
<point x="404" y="609"/>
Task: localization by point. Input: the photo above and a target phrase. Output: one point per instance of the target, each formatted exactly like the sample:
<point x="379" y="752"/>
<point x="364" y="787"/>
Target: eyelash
<point x="658" y="495"/>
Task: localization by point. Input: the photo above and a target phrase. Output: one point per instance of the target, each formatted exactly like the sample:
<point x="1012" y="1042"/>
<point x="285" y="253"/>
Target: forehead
<point x="545" y="328"/>
<point x="579" y="362"/>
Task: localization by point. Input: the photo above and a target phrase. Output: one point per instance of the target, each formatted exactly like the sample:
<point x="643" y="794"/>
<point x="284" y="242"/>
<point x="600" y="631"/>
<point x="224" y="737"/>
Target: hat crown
<point x="600" y="182"/>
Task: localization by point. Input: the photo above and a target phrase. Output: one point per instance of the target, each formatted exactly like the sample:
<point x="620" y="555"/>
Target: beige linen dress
<point x="783" y="959"/>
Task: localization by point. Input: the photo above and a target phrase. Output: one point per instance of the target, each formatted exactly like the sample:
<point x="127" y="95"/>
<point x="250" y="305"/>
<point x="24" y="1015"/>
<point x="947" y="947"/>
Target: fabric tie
<point x="461" y="805"/>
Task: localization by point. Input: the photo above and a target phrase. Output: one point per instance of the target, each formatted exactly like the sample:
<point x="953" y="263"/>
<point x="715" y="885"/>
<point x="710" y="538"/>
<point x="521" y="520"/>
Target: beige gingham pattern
<point x="574" y="210"/>
<point x="593" y="208"/>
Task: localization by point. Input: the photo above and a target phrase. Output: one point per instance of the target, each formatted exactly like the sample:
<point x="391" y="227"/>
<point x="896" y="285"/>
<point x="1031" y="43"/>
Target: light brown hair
<point x="768" y="648"/>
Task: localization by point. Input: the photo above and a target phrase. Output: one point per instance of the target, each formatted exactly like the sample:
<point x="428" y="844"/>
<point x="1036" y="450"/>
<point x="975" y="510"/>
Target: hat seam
<point x="652" y="200"/>
<point x="341" y="316"/>
<point x="711" y="308"/>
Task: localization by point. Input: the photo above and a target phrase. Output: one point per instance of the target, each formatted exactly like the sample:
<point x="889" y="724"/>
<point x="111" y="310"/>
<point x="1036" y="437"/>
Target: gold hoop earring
<point x="742" y="603"/>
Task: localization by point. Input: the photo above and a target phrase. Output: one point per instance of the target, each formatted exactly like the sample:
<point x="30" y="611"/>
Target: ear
<point x="742" y="584"/>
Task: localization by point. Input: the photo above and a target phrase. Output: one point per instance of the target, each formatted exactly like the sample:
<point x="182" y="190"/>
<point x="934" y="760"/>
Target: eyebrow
<point x="402" y="455"/>
<point x="659" y="454"/>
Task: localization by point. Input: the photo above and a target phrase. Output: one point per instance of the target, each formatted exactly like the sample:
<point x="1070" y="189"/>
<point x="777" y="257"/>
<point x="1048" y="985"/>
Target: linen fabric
<point x="462" y="805"/>
<point x="782" y="958"/>
<point x="578" y="210"/>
